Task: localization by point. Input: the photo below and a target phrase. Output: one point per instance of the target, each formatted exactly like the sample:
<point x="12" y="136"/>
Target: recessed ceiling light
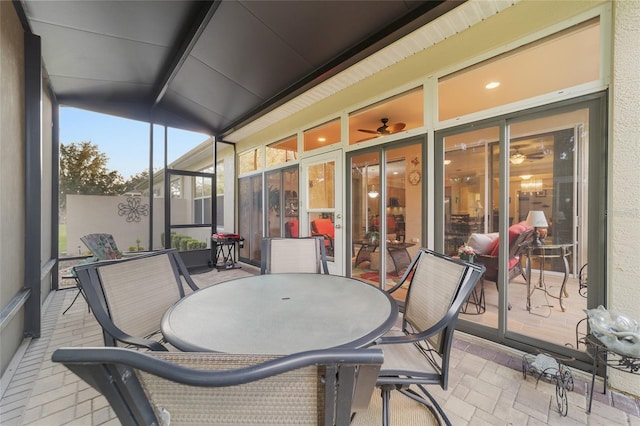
<point x="322" y="139"/>
<point x="447" y="162"/>
<point x="492" y="85"/>
<point x="525" y="177"/>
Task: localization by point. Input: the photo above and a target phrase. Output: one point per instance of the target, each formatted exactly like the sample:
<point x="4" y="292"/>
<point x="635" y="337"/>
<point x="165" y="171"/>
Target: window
<point x="563" y="60"/>
<point x="323" y="135"/>
<point x="250" y="161"/>
<point x="283" y="151"/>
<point x="202" y="198"/>
<point x="220" y="194"/>
<point x="399" y="113"/>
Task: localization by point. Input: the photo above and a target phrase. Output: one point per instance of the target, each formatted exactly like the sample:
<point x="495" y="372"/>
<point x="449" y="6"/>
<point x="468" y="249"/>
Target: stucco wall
<point x="11" y="174"/>
<point x="624" y="183"/>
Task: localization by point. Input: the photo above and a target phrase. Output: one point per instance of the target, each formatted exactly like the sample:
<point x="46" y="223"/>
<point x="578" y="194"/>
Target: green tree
<point x="139" y="179"/>
<point x="83" y="171"/>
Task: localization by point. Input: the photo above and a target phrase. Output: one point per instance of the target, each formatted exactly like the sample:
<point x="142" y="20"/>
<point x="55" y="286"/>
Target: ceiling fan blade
<point x="368" y="131"/>
<point x="396" y="127"/>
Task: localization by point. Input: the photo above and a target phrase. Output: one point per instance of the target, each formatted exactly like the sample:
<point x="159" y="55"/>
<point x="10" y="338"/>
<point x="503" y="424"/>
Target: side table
<point x="397" y="251"/>
<point x="543" y="252"/>
<point x="607" y="357"/>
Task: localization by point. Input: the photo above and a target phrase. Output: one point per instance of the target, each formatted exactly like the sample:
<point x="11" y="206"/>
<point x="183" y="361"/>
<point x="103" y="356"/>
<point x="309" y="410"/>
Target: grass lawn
<point x="62" y="238"/>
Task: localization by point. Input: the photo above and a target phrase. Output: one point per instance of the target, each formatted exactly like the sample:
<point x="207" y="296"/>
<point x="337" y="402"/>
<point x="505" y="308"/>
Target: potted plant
<point x="466" y="252"/>
<point x="372" y="236"/>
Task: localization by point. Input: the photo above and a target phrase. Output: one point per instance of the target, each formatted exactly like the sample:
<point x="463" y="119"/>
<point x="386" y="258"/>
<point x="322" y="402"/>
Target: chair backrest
<point x="103" y="246"/>
<point x="289" y="255"/>
<point x="309" y="388"/>
<point x="291" y="228"/>
<point x="439" y="285"/>
<point x="323" y="227"/>
<point x="129" y="296"/>
<point x="515" y="248"/>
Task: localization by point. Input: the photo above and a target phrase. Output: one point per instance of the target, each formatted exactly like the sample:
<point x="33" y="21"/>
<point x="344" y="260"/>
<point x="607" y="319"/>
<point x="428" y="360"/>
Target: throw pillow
<point x="482" y="243"/>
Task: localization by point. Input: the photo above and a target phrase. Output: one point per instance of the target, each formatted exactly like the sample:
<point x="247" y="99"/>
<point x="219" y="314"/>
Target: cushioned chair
<point x="324" y="228"/>
<point x="291" y="229"/>
<point x="282" y="255"/>
<point x="102" y="246"/>
<point x="129" y="296"/>
<point x="418" y="353"/>
<point x="519" y="235"/>
<point x="309" y="388"/>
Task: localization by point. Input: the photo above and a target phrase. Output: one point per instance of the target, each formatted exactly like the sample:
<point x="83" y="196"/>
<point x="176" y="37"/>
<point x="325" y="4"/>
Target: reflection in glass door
<point x="544" y="181"/>
<point x="282" y="199"/>
<point x="492" y="189"/>
<point x="250" y="218"/>
<point x="471" y="208"/>
<point x="321" y="198"/>
<point x="386" y="205"/>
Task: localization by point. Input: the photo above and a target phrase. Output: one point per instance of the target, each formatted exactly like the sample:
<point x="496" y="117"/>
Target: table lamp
<point x="536" y="219"/>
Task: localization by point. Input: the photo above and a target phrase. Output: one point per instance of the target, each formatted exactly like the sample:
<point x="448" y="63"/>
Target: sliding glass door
<point x="505" y="185"/>
<point x="385" y="193"/>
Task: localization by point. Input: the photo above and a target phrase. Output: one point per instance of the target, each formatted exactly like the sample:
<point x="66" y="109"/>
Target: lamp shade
<point x="537" y="219"/>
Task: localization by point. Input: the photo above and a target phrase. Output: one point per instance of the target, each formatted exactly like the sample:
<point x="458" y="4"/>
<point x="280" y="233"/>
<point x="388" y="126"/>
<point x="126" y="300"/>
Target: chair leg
<point x="72" y="302"/>
<point x="386" y="395"/>
<point x="431" y="405"/>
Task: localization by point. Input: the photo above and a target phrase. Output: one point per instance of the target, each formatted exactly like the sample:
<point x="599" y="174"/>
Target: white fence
<point x="127" y="219"/>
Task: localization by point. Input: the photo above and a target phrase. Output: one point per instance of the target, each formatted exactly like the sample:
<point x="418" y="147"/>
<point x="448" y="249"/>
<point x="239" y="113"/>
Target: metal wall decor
<point x="134" y="210"/>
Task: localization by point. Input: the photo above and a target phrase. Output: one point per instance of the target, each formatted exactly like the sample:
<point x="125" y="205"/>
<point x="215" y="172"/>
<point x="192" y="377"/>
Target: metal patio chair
<point x="293" y="255"/>
<point x="320" y="387"/>
<point x="418" y="353"/>
<point x="129" y="296"/>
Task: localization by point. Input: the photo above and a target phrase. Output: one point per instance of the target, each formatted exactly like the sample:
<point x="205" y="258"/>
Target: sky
<point x="125" y="142"/>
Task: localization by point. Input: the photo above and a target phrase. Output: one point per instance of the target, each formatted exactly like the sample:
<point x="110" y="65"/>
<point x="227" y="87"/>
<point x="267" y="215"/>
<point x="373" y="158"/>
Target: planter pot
<point x="467" y="257"/>
<point x="196" y="258"/>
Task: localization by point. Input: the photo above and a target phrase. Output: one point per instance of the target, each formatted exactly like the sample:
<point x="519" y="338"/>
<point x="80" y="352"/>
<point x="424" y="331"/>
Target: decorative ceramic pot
<point x="467" y="257"/>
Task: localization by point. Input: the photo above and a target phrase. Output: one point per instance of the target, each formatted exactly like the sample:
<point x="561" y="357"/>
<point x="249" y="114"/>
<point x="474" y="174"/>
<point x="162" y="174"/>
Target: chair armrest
<point x="325" y="236"/>
<point x="109" y="327"/>
<point x="487" y="260"/>
<point x="417" y="337"/>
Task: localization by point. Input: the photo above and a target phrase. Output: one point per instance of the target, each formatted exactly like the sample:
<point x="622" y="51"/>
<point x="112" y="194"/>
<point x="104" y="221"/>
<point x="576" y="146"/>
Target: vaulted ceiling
<point x="209" y="66"/>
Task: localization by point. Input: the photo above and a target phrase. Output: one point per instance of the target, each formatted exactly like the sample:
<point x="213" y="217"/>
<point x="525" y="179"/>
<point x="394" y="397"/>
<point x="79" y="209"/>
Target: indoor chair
<point x="324" y="228"/>
<point x="519" y="236"/>
<point x="291" y="228"/>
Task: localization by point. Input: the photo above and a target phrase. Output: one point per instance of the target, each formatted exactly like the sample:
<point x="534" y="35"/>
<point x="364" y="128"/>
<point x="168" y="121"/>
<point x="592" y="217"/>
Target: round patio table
<point x="280" y="314"/>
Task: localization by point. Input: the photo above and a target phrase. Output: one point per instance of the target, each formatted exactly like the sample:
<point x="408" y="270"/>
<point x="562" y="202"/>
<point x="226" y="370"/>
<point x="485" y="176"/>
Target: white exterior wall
<point x="624" y="182"/>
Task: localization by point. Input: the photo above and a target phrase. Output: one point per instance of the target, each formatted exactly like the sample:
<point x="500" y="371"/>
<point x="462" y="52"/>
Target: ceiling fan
<point x="385" y="129"/>
<point x="518" y="157"/>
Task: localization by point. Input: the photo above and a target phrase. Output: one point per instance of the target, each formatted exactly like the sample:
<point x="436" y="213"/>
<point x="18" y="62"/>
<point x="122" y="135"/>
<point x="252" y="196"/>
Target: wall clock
<point x="414" y="177"/>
